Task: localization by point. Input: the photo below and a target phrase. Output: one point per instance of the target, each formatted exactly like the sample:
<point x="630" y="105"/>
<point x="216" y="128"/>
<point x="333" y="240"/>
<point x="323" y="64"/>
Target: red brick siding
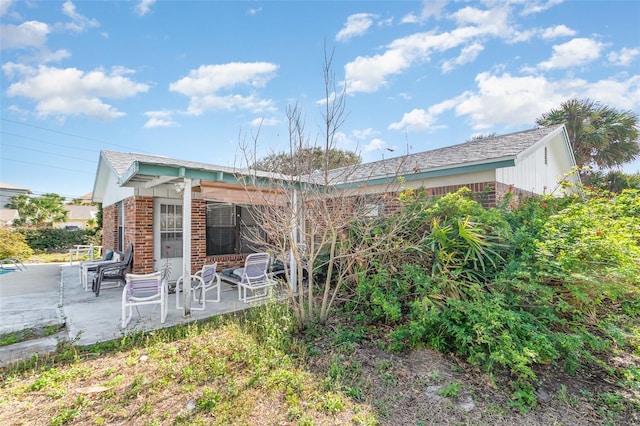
<point x="489" y="194"/>
<point x="138" y="229"/>
<point x="110" y="227"/>
<point x="198" y="234"/>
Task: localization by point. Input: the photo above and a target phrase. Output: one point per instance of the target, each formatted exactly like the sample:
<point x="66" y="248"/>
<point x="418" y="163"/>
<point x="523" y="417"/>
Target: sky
<point x="198" y="80"/>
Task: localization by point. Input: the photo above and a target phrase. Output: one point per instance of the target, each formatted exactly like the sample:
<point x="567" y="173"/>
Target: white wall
<point x="532" y="173"/>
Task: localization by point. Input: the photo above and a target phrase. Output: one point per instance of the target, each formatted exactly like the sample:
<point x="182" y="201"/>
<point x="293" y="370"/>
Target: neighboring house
<point x="7" y="216"/>
<point x="80" y="217"/>
<point x="143" y="195"/>
<point x="7" y="191"/>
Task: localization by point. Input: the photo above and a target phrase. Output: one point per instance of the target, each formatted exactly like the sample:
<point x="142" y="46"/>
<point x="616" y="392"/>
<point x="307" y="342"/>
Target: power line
<point x="47" y="142"/>
<point x="64" y="133"/>
<point x="49" y="153"/>
<point x="47" y="165"/>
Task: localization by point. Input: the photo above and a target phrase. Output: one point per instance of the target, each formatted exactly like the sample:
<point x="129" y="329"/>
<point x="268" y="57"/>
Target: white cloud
<point x="203" y="86"/>
<point x="622" y="93"/>
<point x="574" y="53"/>
<point x="624" y="57"/>
<point x="69" y="91"/>
<point x="27" y="34"/>
<point x="160" y="119"/>
<point x="537" y="6"/>
<point x="429" y="8"/>
<point x="143" y="7"/>
<point x="468" y="54"/>
<point x="211" y="78"/>
<point x="415" y="120"/>
<point x="363" y="133"/>
<point x="4" y="6"/>
<point x="557" y="31"/>
<point x="254" y="11"/>
<point x="513" y="101"/>
<point x="264" y="122"/>
<point x="369" y="74"/>
<point x="79" y="23"/>
<point x="356" y="25"/>
<point x="374" y="145"/>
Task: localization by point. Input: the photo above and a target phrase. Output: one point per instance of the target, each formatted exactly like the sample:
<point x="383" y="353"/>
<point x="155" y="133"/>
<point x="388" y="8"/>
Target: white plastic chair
<point x="89" y="266"/>
<point x="202" y="282"/>
<point x="255" y="278"/>
<point x="144" y="289"/>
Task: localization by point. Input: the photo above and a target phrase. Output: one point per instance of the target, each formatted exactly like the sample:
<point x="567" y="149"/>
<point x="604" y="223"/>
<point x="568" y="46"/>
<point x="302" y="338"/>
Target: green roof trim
<point x="433" y="173"/>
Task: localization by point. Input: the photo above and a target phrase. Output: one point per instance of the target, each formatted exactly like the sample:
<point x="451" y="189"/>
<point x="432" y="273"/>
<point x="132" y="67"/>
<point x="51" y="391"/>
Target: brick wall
<point x="138" y="229"/>
<point x="198" y="234"/>
<point x="110" y="227"/>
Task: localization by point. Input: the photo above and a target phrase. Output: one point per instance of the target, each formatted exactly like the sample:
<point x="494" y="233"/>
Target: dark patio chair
<point x="114" y="271"/>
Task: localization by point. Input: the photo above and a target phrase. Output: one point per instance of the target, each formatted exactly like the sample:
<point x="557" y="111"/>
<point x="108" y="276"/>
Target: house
<point x="7" y="191"/>
<point x="523" y="163"/>
<point x="144" y="196"/>
<point x="7" y="216"/>
<point x="80" y="217"/>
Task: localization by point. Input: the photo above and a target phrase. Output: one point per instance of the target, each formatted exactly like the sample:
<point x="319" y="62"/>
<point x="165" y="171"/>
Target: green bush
<point x="13" y="244"/>
<point x="592" y="249"/>
<point x="549" y="281"/>
<point x="52" y="240"/>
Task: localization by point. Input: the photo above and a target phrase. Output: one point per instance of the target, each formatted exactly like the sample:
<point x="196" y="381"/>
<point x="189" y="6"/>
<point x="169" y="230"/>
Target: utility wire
<point x="49" y="153"/>
<point x="47" y="165"/>
<point x="47" y="142"/>
<point x="65" y="133"/>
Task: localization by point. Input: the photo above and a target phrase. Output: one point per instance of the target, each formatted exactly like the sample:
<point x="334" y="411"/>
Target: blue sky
<point x="191" y="79"/>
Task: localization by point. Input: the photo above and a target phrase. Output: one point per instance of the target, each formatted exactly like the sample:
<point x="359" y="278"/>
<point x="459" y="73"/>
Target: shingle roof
<point x="487" y="150"/>
<point x="121" y="163"/>
<point x="481" y="151"/>
<point x="14" y="187"/>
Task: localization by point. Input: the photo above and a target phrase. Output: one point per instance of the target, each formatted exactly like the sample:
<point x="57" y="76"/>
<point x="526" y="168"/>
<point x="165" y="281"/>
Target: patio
<point x="90" y="319"/>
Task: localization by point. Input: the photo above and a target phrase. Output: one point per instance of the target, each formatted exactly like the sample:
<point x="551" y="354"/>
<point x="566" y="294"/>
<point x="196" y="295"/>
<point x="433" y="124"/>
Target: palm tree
<point x="600" y="136"/>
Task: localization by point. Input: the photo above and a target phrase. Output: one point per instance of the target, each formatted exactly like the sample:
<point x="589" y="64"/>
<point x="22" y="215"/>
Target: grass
<point x="219" y="372"/>
<point x="52" y="258"/>
<point x="28" y="334"/>
<point x="255" y="369"/>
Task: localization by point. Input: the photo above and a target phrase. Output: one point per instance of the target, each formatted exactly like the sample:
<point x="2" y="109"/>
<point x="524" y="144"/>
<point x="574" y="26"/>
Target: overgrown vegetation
<point x="52" y="240"/>
<point x="511" y="289"/>
<point x="13" y="245"/>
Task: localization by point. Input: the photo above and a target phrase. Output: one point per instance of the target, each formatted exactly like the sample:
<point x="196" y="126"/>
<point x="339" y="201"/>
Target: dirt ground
<point x="408" y="388"/>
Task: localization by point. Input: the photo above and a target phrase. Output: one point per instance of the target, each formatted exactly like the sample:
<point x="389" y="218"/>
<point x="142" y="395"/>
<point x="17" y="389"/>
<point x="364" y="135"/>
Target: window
<point x="170" y="230"/>
<point x="546" y="158"/>
<point x="231" y="229"/>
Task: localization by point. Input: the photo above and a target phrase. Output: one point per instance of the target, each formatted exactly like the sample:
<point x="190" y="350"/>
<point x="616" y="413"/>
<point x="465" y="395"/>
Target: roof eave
<point x="435" y="173"/>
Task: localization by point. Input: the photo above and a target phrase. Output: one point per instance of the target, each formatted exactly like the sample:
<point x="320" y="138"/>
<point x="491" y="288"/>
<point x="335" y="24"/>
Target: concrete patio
<point x="52" y="295"/>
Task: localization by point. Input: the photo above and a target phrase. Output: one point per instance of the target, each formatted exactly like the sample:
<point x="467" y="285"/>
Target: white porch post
<point x="186" y="246"/>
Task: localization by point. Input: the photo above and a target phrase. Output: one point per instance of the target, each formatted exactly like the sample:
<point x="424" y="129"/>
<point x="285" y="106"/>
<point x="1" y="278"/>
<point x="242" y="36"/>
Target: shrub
<point x="13" y="244"/>
<point x="592" y="249"/>
<point x="50" y="239"/>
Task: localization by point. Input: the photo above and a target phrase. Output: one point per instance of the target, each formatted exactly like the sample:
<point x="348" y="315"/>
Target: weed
<point x="208" y="401"/>
<point x="332" y="403"/>
<point x="564" y="397"/>
<point x="452" y="390"/>
<point x="435" y="375"/>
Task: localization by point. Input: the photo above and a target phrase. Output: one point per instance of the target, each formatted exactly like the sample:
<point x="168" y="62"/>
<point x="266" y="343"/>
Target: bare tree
<point x="307" y="219"/>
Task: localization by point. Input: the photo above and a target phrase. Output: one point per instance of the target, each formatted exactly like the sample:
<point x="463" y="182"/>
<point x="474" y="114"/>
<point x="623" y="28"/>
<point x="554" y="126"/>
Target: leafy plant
<point x="14" y="244"/>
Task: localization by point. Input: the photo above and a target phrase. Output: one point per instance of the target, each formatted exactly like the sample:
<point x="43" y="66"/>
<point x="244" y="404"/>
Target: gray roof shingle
<point x="479" y="151"/>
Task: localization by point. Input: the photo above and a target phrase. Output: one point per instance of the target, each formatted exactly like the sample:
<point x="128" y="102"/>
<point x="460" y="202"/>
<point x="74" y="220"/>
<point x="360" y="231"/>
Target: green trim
<point x="146" y="169"/>
<point x="433" y="173"/>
